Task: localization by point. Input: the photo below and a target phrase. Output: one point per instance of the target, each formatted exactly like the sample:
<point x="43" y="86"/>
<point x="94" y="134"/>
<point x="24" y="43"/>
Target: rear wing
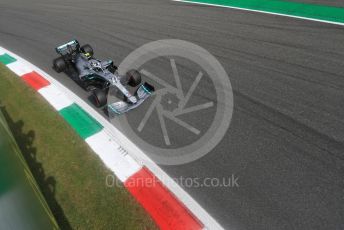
<point x="68" y="48"/>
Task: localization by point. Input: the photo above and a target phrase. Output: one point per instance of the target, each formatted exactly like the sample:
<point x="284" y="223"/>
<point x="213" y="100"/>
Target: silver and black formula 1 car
<point x="98" y="76"/>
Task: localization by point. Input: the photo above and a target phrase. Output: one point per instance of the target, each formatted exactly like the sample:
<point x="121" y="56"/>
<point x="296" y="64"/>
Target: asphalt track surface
<point x="286" y="138"/>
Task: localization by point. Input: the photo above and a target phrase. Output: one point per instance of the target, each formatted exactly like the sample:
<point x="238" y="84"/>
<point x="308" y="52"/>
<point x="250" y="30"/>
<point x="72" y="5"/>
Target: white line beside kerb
<point x="114" y="157"/>
<point x="2" y="51"/>
<point x="55" y="97"/>
<point x="260" y="11"/>
<point x="19" y="68"/>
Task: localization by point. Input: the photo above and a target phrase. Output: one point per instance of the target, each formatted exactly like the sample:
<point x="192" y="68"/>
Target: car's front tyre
<point x="100" y="97"/>
<point x="134" y="78"/>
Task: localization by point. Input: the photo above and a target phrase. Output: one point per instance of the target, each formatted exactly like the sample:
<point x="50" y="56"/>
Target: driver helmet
<point x="88" y="55"/>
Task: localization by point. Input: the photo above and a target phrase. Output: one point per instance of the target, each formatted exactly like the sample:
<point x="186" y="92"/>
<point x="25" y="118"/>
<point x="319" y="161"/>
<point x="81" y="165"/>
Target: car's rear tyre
<point x="87" y="49"/>
<point x="134" y="78"/>
<point x="100" y="97"/>
<point x="59" y="64"/>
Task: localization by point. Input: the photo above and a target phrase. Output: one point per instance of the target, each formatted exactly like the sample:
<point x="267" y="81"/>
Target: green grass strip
<point x="82" y="122"/>
<point x="70" y="175"/>
<point x="15" y="175"/>
<point x="312" y="11"/>
<point x="6" y="59"/>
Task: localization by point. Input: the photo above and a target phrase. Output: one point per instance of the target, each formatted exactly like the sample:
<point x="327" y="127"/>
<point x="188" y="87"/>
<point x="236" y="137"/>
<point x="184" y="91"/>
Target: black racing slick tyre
<point x="87" y="49"/>
<point x="59" y="64"/>
<point x="100" y="97"/>
<point x="134" y="78"/>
